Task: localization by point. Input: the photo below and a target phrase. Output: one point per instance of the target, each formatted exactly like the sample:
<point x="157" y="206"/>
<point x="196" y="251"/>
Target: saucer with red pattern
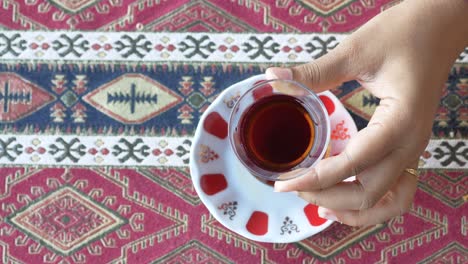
<point x="237" y="199"/>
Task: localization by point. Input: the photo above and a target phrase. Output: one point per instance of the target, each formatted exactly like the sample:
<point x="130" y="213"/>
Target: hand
<point x="403" y="57"/>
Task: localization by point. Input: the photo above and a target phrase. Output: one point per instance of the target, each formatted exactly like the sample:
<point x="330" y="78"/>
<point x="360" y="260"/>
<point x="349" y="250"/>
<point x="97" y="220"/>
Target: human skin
<point x="402" y="56"/>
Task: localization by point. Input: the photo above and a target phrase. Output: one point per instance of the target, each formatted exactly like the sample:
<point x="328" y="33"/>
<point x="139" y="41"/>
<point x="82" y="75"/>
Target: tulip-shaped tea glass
<point x="279" y="129"/>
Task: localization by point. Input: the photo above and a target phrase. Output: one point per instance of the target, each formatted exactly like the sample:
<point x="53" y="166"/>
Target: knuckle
<point x="315" y="198"/>
<point x="365" y="198"/>
<point x="318" y="198"/>
<point x="350" y="44"/>
<point x="359" y="191"/>
<point x="350" y="50"/>
<point x="368" y="201"/>
<point x="316" y="72"/>
<point x="351" y="165"/>
<point x="355" y="221"/>
<point x="309" y="197"/>
<point x="295" y="186"/>
<point x="316" y="180"/>
<point x="307" y="73"/>
<point x="385" y="129"/>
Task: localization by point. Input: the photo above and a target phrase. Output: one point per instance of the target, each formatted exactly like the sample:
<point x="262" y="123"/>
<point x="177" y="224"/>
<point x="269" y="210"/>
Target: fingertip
<point x="270" y="74"/>
<point x="288" y="185"/>
<point x="327" y="214"/>
<point x="281" y="186"/>
<point x="278" y="73"/>
<point x="322" y="211"/>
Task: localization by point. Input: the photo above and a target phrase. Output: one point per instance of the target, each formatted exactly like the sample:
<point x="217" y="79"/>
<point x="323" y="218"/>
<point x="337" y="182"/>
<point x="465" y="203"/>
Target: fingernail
<point x="327" y="214"/>
<point x="277" y="187"/>
<point x="281" y="187"/>
<point x="278" y="73"/>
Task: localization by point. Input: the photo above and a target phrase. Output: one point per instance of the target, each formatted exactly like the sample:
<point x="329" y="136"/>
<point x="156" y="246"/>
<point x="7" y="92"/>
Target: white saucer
<point x="237" y="199"/>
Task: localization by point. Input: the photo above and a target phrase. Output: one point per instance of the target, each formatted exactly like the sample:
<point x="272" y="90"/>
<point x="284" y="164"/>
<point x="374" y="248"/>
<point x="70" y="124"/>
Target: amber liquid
<point x="277" y="132"/>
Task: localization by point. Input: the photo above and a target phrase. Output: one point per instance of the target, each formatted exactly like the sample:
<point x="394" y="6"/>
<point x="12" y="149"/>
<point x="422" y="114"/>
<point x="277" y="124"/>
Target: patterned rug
<point x="99" y="100"/>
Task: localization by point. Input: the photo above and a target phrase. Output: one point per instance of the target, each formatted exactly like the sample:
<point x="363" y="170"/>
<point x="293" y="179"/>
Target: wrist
<point x="448" y="15"/>
<point x="439" y="24"/>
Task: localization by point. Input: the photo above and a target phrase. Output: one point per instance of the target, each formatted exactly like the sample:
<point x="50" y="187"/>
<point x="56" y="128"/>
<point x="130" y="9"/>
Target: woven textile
<point x="99" y="100"/>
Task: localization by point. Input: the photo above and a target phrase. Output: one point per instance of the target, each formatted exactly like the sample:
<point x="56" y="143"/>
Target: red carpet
<point x="99" y="101"/>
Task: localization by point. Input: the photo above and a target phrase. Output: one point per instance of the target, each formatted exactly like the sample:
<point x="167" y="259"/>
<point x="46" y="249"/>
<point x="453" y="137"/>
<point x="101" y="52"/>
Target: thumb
<point x="322" y="74"/>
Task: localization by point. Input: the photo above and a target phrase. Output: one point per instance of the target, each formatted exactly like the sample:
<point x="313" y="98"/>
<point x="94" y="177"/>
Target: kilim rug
<point x="99" y="100"/>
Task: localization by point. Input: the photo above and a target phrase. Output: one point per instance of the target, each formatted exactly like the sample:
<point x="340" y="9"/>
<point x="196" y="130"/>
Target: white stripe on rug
<point x="159" y="151"/>
<point x="162" y="47"/>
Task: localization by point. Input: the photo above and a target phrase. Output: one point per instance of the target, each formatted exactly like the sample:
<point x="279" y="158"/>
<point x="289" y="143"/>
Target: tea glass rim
<point x="294" y="172"/>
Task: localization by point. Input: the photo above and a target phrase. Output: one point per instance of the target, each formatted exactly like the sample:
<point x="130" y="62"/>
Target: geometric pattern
<point x="175" y="180"/>
<point x="193" y="252"/>
<point x="74" y="215"/>
<point x="452" y="116"/>
<point x="198" y="16"/>
<point x="361" y="102"/>
<point x="17" y="46"/>
<point x="442" y="184"/>
<point x="94" y="150"/>
<point x="73" y="6"/>
<point x="65" y="220"/>
<point x="452" y="253"/>
<point x="99" y="101"/>
<point x="327" y="245"/>
<point x="69" y="111"/>
<point x="132" y="98"/>
<point x="173" y="151"/>
<point x="20" y="98"/>
<point x="445" y="153"/>
<point x="156" y="95"/>
<point x="449" y="186"/>
<point x="131" y="15"/>
<point x="325" y="7"/>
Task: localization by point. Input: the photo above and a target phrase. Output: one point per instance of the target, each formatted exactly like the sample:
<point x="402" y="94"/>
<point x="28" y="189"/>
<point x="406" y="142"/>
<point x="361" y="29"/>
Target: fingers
<point x="364" y="192"/>
<point x="327" y="172"/>
<point x="322" y="74"/>
<point x="396" y="202"/>
<point x="366" y="148"/>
